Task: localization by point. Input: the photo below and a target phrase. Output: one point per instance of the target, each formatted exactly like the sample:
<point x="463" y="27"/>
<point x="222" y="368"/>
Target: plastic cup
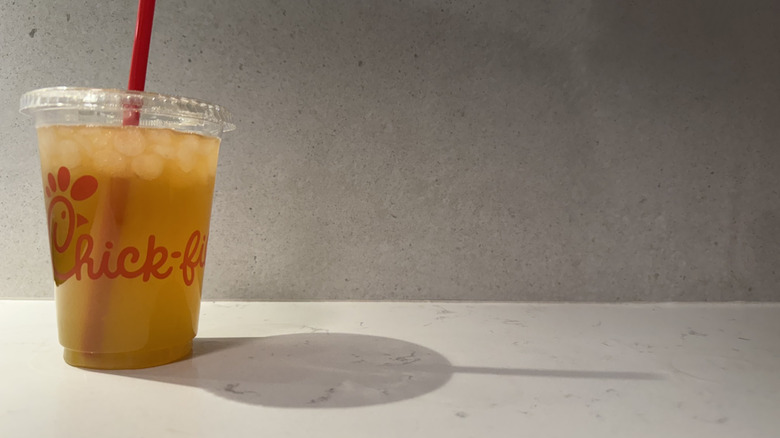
<point x="128" y="210"/>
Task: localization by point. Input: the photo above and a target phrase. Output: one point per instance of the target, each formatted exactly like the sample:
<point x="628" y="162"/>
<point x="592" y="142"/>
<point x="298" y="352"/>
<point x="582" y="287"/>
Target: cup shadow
<point x="327" y="370"/>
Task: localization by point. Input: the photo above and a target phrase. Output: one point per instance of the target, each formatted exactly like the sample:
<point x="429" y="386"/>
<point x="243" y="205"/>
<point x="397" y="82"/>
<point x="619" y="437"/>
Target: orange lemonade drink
<point x="128" y="212"/>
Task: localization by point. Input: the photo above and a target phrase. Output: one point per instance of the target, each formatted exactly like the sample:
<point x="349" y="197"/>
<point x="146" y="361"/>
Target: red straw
<point x="116" y="196"/>
<point x="143" y="35"/>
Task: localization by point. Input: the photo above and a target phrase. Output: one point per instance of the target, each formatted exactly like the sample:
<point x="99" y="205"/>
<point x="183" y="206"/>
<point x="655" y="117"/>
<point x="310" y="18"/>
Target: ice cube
<point x="110" y="162"/>
<point x="187" y="150"/>
<point x="129" y="142"/>
<point x="148" y="166"/>
<point x="185" y="159"/>
<point x="210" y="159"/>
<point x="65" y="131"/>
<point x="164" y="150"/>
<point x="100" y="138"/>
<point x="159" y="136"/>
<point x="46" y="137"/>
<point x="191" y="143"/>
<point x="92" y="139"/>
<point x="69" y="153"/>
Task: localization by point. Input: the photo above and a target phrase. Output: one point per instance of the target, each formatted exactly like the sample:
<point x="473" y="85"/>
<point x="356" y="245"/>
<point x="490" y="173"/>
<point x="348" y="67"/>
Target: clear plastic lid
<point x="109" y="107"/>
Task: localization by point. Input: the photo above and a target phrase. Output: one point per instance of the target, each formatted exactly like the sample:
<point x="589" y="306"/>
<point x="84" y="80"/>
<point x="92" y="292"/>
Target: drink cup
<point x="128" y="180"/>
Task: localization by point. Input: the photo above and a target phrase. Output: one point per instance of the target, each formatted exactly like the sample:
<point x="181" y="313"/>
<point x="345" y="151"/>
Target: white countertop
<point x="336" y="369"/>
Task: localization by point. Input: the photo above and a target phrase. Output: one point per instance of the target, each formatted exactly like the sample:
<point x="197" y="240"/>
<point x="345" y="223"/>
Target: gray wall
<point x="491" y="150"/>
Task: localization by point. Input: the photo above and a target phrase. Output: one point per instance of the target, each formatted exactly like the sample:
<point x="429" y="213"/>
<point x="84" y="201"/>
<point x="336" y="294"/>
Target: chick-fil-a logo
<point x="109" y="262"/>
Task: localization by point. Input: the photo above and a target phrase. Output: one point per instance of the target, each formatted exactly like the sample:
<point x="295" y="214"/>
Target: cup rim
<point x="112" y="99"/>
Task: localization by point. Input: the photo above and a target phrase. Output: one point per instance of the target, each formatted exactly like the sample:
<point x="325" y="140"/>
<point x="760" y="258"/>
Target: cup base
<point x="127" y="360"/>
